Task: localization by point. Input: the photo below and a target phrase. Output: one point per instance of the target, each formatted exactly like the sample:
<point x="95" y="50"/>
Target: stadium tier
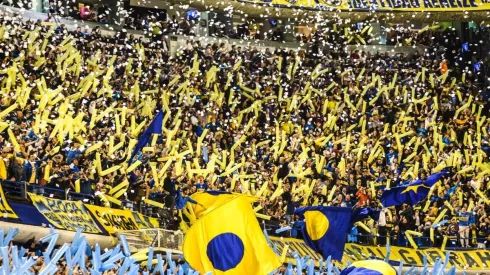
<point x="262" y="147"/>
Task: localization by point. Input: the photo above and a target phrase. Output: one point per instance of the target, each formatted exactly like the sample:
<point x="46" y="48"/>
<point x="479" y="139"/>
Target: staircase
<point x="158" y="238"/>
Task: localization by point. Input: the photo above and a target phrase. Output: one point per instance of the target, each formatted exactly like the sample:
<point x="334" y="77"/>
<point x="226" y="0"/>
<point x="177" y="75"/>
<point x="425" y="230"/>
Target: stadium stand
<point x="316" y="126"/>
<point x="221" y="115"/>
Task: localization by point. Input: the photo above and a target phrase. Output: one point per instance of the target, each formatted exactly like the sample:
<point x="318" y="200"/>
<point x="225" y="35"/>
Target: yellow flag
<point x="229" y="240"/>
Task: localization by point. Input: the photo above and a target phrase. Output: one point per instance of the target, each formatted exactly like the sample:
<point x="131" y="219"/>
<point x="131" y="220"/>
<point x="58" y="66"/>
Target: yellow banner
<point x="382" y="5"/>
<point x="115" y="220"/>
<point x="69" y="215"/>
<point x="144" y="222"/>
<point x="5" y="209"/>
<point x="470" y="260"/>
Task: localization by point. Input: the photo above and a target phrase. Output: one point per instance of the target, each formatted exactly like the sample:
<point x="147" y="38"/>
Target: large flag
<point x="155" y="127"/>
<point x="369" y="267"/>
<point x="411" y="193"/>
<point x="228" y="240"/>
<point x="326" y="229"/>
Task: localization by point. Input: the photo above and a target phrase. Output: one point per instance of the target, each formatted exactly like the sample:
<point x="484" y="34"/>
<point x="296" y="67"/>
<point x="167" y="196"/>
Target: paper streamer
<point x="409" y="234"/>
<point x="443" y="246"/>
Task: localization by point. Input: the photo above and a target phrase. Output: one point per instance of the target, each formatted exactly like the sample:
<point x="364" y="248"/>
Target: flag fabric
<point x="210" y="200"/>
<point x="228" y="240"/>
<point x="155" y="127"/>
<point x="411" y="193"/>
<point x="326" y="229"/>
<point x="369" y="267"/>
<point x="359" y="214"/>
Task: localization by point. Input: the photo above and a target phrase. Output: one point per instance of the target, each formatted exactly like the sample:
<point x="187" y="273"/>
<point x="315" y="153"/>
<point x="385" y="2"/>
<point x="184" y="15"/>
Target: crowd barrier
<point x="68" y="210"/>
<point x="20" y="189"/>
<point x="70" y="214"/>
<point x="463" y="260"/>
<point x="380" y="240"/>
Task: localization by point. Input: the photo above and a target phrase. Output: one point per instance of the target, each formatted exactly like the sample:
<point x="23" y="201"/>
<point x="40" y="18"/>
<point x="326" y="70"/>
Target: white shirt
<point x="382" y="217"/>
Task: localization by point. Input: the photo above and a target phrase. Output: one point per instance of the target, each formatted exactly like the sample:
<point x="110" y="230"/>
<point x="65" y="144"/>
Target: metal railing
<point x="452" y="243"/>
<point x="19" y="189"/>
<point x="155" y="237"/>
<point x="173" y="240"/>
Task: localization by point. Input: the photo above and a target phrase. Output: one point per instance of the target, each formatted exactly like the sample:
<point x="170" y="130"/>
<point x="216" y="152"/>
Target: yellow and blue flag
<point x="369" y="267"/>
<point x="411" y="193"/>
<point x="228" y="240"/>
<point x="210" y="200"/>
<point x="325" y="229"/>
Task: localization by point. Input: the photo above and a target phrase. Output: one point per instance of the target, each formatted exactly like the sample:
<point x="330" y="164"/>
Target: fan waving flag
<point x="411" y="193"/>
<point x="228" y="240"/>
<point x="155" y="127"/>
<point x="325" y="229"/>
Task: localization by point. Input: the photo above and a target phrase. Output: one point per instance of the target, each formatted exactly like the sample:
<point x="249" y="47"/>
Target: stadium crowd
<point x="316" y="127"/>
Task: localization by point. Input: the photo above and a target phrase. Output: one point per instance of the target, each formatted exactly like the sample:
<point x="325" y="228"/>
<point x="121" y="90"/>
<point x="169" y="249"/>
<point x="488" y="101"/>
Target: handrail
<point x="67" y="194"/>
<point x="35" y="188"/>
<point x="376" y="239"/>
<point x="157" y="237"/>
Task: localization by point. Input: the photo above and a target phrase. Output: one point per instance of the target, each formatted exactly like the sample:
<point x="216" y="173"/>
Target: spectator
<point x="464" y="230"/>
<point x="85" y="12"/>
<point x="307" y="127"/>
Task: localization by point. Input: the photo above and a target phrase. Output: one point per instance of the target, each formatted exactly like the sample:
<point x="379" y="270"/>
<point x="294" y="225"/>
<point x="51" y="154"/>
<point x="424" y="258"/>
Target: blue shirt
<point x="202" y="186"/>
<point x="389" y="156"/>
<point x="181" y="200"/>
<point x="464" y="218"/>
<point x="72" y="154"/>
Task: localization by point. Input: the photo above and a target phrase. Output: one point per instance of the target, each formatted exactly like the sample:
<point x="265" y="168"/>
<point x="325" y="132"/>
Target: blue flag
<point x="369" y="267"/>
<point x="411" y="193"/>
<point x="325" y="229"/>
<point x="359" y="214"/>
<point x="155" y="127"/>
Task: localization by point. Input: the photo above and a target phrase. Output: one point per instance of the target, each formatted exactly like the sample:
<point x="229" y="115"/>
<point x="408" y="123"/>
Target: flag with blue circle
<point x="369" y="267"/>
<point x="228" y="240"/>
<point x="325" y="229"/>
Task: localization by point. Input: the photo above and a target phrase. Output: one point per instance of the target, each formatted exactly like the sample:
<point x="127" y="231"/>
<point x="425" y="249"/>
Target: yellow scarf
<point x="33" y="174"/>
<point x="3" y="169"/>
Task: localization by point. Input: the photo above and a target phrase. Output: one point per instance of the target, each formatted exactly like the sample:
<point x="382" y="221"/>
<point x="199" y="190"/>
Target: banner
<point x="115" y="220"/>
<point x="381" y="5"/>
<point x="470" y="260"/>
<point x="295" y="245"/>
<point x="68" y="215"/>
<point x="5" y="209"/>
<point x="145" y="222"/>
